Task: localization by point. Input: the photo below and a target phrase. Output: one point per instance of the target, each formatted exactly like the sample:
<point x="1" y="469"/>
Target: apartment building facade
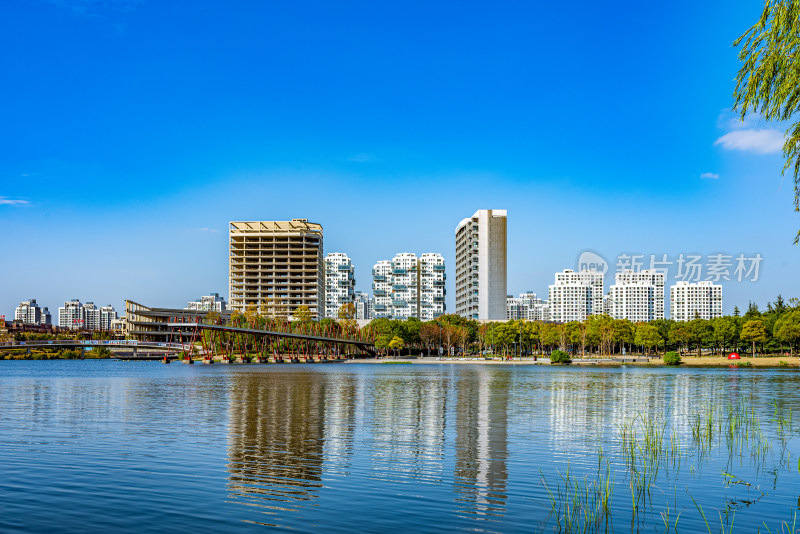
<point x="276" y="267"/>
<point x="528" y="306"/>
<point x="340" y="283"/>
<point x="29" y="312"/>
<point x="481" y="265"/>
<point x="363" y="304"/>
<point x="409" y="286"/>
<point x="699" y="299"/>
<point x="76" y="316"/>
<point x="637" y="296"/>
<point x="212" y="303"/>
<point x="574" y="296"/>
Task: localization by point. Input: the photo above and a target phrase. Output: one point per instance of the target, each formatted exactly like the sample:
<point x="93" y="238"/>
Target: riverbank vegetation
<point x="654" y="462"/>
<point x="775" y="330"/>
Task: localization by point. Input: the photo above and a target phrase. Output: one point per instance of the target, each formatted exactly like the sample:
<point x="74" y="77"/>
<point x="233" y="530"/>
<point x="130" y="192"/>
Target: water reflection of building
<point x="408" y="426"/>
<point x="341" y="395"/>
<point x="482" y="440"/>
<point x="276" y="438"/>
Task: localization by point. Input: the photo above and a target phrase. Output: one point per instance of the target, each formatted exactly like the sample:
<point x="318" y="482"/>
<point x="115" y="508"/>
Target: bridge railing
<point x="95" y="343"/>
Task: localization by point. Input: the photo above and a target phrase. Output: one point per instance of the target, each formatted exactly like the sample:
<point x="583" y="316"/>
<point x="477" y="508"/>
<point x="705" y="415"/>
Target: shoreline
<point x="687" y="361"/>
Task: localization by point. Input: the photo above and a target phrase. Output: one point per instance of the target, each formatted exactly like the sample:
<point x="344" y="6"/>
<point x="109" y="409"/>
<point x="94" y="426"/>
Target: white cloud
<point x="709" y="176"/>
<point x="212" y="230"/>
<point x="12" y="202"/>
<point x="766" y="141"/>
<point x="732" y="121"/>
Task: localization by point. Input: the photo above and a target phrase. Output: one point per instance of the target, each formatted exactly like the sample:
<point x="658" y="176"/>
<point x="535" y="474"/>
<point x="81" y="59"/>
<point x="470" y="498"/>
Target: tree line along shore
<point x="774" y="331"/>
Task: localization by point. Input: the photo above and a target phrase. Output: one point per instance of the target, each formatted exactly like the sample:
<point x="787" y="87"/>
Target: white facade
<point x="409" y="286"/>
<point x="576" y="295"/>
<point x="77" y="316"/>
<point x="382" y="289"/>
<point x="700" y="299"/>
<point x="29" y="312"/>
<point x="71" y="315"/>
<point x="363" y="304"/>
<point x="340" y="283"/>
<point x="528" y="307"/>
<point x="481" y="265"/>
<point x="637" y="296"/>
<point x="208" y="303"/>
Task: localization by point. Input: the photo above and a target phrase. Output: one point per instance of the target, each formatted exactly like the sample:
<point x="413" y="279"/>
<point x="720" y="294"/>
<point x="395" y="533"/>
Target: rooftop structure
<point x="276" y="267"/>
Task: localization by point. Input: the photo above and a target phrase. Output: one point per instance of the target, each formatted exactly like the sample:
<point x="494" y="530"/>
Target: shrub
<point x="672" y="358"/>
<point x="559" y="356"/>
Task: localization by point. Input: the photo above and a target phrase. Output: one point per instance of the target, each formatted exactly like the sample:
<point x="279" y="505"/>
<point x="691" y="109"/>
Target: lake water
<point x="90" y="446"/>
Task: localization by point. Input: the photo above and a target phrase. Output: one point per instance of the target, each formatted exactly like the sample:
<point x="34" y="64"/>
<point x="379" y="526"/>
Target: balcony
<point x="399" y="271"/>
<point x="438" y="267"/>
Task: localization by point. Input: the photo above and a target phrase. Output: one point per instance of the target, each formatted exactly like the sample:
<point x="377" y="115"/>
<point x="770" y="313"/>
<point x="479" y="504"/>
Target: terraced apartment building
<point x="276" y="267"/>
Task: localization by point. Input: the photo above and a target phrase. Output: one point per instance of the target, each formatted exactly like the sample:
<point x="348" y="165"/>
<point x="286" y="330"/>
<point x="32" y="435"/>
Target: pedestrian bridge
<point x="83" y="344"/>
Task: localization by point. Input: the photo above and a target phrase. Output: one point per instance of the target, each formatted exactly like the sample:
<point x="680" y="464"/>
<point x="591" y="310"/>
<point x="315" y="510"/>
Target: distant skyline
<point x="134" y="131"/>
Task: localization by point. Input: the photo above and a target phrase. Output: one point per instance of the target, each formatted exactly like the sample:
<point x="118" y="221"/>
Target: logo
<point x="589" y="261"/>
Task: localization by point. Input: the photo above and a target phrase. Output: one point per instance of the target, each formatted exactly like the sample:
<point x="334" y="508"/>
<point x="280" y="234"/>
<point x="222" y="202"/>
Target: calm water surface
<point x="108" y="446"/>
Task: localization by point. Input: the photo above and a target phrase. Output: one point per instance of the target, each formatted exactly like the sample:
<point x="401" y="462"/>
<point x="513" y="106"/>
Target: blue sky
<point x="133" y="131"/>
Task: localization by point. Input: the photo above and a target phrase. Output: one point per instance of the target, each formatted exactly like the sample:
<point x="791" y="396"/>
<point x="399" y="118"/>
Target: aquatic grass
<point x="785" y="527"/>
<point x="651" y="452"/>
<point x="581" y="504"/>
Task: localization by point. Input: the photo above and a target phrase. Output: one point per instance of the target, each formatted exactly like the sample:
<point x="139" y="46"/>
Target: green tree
<point x="505" y="334"/>
<point x="767" y="82"/>
<point x="396" y="344"/>
<point x="302" y="314"/>
<point x="755" y="332"/>
<point x="429" y="335"/>
<point x="700" y="333"/>
<point x="623" y="332"/>
<point x="787" y="329"/>
<point x="680" y="334"/>
<point x="726" y="331"/>
<point x="663" y="326"/>
<point x="411" y="331"/>
<point x="549" y="335"/>
<point x="647" y="335"/>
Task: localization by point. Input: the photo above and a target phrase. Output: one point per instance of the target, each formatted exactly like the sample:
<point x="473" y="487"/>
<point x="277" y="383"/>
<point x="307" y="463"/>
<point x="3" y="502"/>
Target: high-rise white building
<point x="481" y="265"/>
<point x="363" y="304"/>
<point x="98" y="318"/>
<point x="29" y="312"/>
<point x="340" y="283"/>
<point x="276" y="266"/>
<point x="72" y="315"/>
<point x="576" y="295"/>
<point x="637" y="296"/>
<point x="77" y="316"/>
<point x="409" y="286"/>
<point x="382" y="289"/>
<point x="701" y="299"/>
<point x="527" y="306"/>
<point x="208" y="303"/>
